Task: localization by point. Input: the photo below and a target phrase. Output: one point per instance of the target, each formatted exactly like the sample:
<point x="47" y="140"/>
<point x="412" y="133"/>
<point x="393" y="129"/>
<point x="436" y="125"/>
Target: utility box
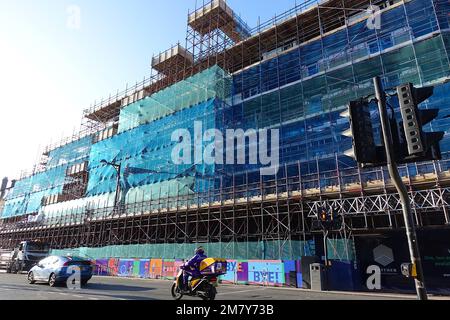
<point x="318" y="277"/>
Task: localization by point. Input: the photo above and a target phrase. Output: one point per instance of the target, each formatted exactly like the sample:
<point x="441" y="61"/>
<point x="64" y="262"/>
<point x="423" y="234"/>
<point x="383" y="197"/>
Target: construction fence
<point x="245" y="266"/>
<point x="276" y="273"/>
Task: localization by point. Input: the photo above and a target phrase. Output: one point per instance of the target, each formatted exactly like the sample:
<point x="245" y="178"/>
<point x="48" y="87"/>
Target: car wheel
<point x="31" y="278"/>
<point x="52" y="280"/>
<point x="84" y="283"/>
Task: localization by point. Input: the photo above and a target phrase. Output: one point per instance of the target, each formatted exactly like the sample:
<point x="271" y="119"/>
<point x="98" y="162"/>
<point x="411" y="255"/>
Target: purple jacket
<point x="195" y="262"/>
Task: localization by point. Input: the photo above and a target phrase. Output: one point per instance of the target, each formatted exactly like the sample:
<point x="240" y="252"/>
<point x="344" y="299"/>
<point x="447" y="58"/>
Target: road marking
<point x="243" y="291"/>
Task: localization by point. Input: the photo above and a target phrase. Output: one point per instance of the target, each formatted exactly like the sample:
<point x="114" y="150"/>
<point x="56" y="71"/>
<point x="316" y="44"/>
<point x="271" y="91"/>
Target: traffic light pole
<point x="326" y="232"/>
<point x="403" y="192"/>
<point x="325" y="247"/>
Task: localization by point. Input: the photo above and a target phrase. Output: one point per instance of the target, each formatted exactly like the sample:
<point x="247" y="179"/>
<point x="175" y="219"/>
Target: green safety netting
<point x="308" y="112"/>
<point x="77" y="151"/>
<point x="319" y="78"/>
<point x="347" y="46"/>
<point x="268" y="250"/>
<point x="341" y="249"/>
<point x="145" y="154"/>
<point x="338" y="249"/>
<point x="209" y="84"/>
<point x="28" y="193"/>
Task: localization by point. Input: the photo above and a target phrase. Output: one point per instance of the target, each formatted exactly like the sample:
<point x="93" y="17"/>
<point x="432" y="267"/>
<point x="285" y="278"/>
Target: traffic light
<point x="410" y="142"/>
<point x="364" y="151"/>
<point x="330" y="219"/>
<point x="421" y="146"/>
<point x="324" y="216"/>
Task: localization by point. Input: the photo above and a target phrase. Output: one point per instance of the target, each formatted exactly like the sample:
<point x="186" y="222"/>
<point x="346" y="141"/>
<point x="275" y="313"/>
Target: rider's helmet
<point x="199" y="250"/>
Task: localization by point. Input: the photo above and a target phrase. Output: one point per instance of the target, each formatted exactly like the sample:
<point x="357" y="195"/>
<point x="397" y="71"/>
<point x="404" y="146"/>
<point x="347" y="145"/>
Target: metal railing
<point x="120" y="95"/>
<point x="285" y="16"/>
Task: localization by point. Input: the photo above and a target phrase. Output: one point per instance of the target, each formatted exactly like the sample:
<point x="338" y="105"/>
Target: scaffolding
<point x="219" y="15"/>
<point x="296" y="73"/>
<point x="310" y="22"/>
<point x="173" y="58"/>
<point x="283" y="211"/>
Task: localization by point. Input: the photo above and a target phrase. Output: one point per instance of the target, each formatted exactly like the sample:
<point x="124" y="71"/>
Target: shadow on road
<point x="116" y="287"/>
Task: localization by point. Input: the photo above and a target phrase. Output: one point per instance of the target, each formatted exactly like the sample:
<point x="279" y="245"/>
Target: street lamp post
<point x="118" y="168"/>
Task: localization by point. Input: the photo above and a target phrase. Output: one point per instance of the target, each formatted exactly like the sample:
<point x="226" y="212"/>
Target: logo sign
<point x="383" y="255"/>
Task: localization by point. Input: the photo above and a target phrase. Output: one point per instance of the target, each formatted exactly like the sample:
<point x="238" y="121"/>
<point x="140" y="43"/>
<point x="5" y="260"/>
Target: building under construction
<point x="295" y="73"/>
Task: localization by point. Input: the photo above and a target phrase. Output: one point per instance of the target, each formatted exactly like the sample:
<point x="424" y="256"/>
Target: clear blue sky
<point x="51" y="71"/>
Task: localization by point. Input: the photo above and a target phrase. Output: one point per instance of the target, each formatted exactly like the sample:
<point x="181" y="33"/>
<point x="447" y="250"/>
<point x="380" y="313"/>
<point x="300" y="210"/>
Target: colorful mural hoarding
<point x="242" y="272"/>
<point x="156" y="266"/>
<point x="231" y="275"/>
<point x="168" y="269"/>
<point x="113" y="267"/>
<point x="268" y="273"/>
<point x="126" y="268"/>
<point x="254" y="272"/>
<point x="237" y="272"/>
<point x="290" y="272"/>
<point x="101" y="267"/>
<point x="136" y="268"/>
<point x="299" y="280"/>
<point x="178" y="264"/>
<point x="144" y="268"/>
<point x="298" y="268"/>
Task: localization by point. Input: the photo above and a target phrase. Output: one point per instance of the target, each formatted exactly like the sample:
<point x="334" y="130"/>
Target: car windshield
<point x="35" y="246"/>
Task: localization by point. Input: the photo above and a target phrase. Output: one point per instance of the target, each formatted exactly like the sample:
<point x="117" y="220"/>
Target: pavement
<point x="16" y="287"/>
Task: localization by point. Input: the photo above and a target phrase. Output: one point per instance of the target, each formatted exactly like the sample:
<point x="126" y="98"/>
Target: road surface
<point x="16" y="287"/>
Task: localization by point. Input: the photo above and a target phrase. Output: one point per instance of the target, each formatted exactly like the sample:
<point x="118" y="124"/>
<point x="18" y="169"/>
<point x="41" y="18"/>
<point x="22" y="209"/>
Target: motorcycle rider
<point x="192" y="267"/>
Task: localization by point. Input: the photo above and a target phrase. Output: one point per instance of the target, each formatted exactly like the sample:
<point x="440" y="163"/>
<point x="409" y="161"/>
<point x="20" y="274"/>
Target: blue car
<point x="56" y="270"/>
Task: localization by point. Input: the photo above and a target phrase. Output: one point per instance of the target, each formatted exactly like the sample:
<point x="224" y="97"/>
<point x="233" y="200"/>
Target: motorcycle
<point x="203" y="287"/>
